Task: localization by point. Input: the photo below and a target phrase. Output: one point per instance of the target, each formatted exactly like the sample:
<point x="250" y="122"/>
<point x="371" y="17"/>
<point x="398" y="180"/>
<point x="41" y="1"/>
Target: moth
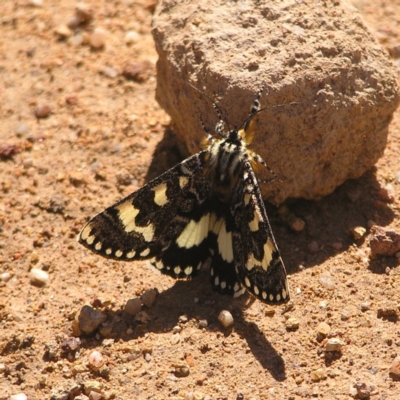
<point x="205" y="211"/>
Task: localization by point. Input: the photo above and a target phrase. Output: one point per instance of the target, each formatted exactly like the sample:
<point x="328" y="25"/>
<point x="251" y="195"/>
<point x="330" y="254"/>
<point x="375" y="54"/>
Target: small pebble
<point x="5" y="276"/>
<point x="36" y="3"/>
<point x="95" y="396"/>
<point x="110" y="72"/>
<point x="323" y="329"/>
<point x="149" y="297"/>
<point x="92" y="386"/>
<point x="203" y="323"/>
<point x="313" y="247"/>
<point x="387" y="193"/>
<point x="334" y="344"/>
<point x="175" y="338"/>
<point x="225" y="318"/>
<point x="96" y="359"/>
<point x="38" y="277"/>
<point x="176" y="329"/>
<point x="131" y="37"/>
<point x="360" y="391"/>
<point x="97" y="39"/>
<point x="84" y="13"/>
<point x="181" y="370"/>
<point x="70" y="344"/>
<point x="292" y="324"/>
<point x="297" y="224"/>
<point x="42" y="111"/>
<point x="19" y="396"/>
<point x="133" y="306"/>
<point x="90" y="319"/>
<point x="63" y="31"/>
<point x="327" y="281"/>
<point x="365" y="306"/>
<point x="318" y="375"/>
<point x="345" y="315"/>
<point x="21" y="130"/>
<point x="358" y="232"/>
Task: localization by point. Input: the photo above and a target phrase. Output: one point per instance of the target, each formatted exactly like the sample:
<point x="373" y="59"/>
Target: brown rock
<point x="343" y="85"/>
<point x="383" y="241"/>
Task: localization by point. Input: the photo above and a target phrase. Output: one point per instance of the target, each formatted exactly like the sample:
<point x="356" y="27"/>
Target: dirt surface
<point x="103" y="138"/>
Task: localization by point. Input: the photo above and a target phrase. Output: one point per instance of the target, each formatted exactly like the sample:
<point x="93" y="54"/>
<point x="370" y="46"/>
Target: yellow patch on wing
<point x="254" y="224"/>
<point x="183" y="181"/>
<point x="194" y="233"/>
<point x="160" y="194"/>
<point x="225" y="246"/>
<point x="269" y="249"/>
<point x="127" y="215"/>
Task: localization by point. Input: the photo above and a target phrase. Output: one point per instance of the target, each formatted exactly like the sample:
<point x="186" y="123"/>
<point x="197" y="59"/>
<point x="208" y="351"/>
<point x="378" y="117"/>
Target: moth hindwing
<point x="207" y="210"/>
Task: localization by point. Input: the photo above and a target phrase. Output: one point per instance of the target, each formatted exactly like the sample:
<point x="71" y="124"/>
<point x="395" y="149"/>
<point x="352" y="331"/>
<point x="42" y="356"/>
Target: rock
<point x="133" y="306"/>
<point x="395" y="367"/>
<point x="149" y="297"/>
<point x="96" y="359"/>
<point x="38" y="277"/>
<point x="327" y="281"/>
<point x="90" y="319"/>
<point x="318" y="375"/>
<point x="97" y="39"/>
<point x="358" y="232"/>
<point x="92" y="386"/>
<point x="292" y="324"/>
<point x="138" y="71"/>
<point x="225" y="318"/>
<point x="334" y="344"/>
<point x="42" y="111"/>
<point x="323" y="329"/>
<point x="336" y="133"/>
<point x="18" y="396"/>
<point x="360" y="391"/>
<point x="181" y="370"/>
<point x="383" y="241"/>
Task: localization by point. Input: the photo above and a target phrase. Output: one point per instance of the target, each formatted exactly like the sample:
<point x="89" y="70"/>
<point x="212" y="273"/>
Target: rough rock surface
<point x="330" y="90"/>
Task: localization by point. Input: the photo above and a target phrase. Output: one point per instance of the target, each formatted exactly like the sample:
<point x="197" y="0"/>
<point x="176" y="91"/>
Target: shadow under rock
<point x="330" y="221"/>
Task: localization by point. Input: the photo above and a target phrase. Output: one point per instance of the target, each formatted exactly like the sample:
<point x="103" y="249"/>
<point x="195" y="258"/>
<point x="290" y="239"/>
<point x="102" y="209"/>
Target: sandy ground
<point x="104" y="137"/>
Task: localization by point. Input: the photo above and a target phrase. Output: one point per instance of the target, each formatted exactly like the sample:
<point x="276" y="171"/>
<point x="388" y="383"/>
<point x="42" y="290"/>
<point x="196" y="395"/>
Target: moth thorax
<point x="226" y="165"/>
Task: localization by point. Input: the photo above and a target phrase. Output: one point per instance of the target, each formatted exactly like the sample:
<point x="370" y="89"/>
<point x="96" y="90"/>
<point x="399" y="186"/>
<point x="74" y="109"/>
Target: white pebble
<point x="96" y="359"/>
<point x="38" y="277"/>
<point x="97" y="38"/>
<point x="131" y="37"/>
<point x="19" y="396"/>
<point x="327" y="281"/>
<point x="225" y="318"/>
<point x="5" y="276"/>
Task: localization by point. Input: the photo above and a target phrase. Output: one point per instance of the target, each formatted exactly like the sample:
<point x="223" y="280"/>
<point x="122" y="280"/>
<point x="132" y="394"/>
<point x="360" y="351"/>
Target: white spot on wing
<point x="130" y="254"/>
<point x="97" y="246"/>
<point x="247" y="281"/>
<point x="177" y="270"/>
<point x="90" y="239"/>
<point x="188" y="270"/>
<point x="118" y="253"/>
<point x="145" y="253"/>
<point x="108" y="251"/>
<point x="194" y="233"/>
<point x="127" y="215"/>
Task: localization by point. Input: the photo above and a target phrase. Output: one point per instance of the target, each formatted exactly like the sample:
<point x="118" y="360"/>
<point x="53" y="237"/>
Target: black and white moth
<point x="207" y="210"/>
